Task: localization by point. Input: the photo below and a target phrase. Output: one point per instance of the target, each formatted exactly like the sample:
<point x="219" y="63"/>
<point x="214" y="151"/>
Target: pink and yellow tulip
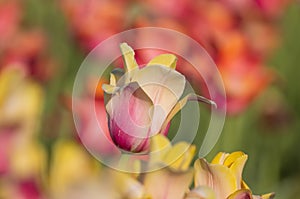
<point x="223" y="176"/>
<point x="143" y="101"/>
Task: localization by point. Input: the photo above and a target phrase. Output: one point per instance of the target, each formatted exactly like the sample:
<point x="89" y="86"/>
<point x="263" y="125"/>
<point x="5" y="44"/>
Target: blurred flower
<point x="93" y="21"/>
<point x="244" y="78"/>
<point x="70" y="168"/>
<point x="227" y="29"/>
<point x="22" y="159"/>
<point x="223" y="176"/>
<point x="173" y="180"/>
<point x="27" y="49"/>
<point x="144" y="101"/>
<point x="15" y="91"/>
<point x="9" y="20"/>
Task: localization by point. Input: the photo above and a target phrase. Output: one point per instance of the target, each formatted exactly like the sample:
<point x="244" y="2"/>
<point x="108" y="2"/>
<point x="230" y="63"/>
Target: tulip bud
<point x="143" y="101"/>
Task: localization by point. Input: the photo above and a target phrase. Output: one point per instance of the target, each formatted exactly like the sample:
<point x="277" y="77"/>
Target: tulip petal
<point x="168" y="60"/>
<point x="268" y="196"/>
<point x="231" y="158"/>
<point x="164" y="86"/>
<point x="219" y="158"/>
<point x="126" y="185"/>
<point x="237" y="169"/>
<point x="112" y="80"/>
<point x="130" y="117"/>
<point x="265" y="196"/>
<point x="180" y="156"/>
<point x="217" y="177"/>
<point x="241" y="194"/>
<point x="167" y="184"/>
<point x="128" y="57"/>
<point x="181" y="104"/>
<point x="159" y="146"/>
<point x="109" y="89"/>
<point x="244" y="185"/>
<point x="201" y="193"/>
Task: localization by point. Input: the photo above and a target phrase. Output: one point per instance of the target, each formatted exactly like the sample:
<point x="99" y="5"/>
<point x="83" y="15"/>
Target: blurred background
<point x="42" y="44"/>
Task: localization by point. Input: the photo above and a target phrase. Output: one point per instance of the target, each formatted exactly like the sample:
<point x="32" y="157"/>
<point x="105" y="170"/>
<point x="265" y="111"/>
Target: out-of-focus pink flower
<point x="88" y="129"/>
<point x="9" y="20"/>
<point x="27" y="49"/>
<point x="228" y="29"/>
<point x="272" y="8"/>
<point x="93" y="21"/>
<point x="173" y="8"/>
<point x="244" y="79"/>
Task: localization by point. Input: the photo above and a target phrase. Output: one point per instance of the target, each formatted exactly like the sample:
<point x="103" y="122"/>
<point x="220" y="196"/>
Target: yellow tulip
<point x="172" y="181"/>
<point x="71" y="166"/>
<point x="224" y="176"/>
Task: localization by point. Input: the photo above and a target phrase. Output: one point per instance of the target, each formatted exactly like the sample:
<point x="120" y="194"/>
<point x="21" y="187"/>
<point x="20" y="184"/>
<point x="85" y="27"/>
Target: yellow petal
<point x="167" y="184"/>
<point x="178" y="106"/>
<point x="265" y="196"/>
<point x="168" y="60"/>
<point x="237" y="169"/>
<point x="109" y="89"/>
<point x="201" y="193"/>
<point x="125" y="184"/>
<point x="219" y="158"/>
<point x="241" y="194"/>
<point x="159" y="146"/>
<point x="268" y="196"/>
<point x="180" y="156"/>
<point x="244" y="185"/>
<point x="232" y="157"/>
<point x="112" y="80"/>
<point x="128" y="57"/>
<point x="218" y="177"/>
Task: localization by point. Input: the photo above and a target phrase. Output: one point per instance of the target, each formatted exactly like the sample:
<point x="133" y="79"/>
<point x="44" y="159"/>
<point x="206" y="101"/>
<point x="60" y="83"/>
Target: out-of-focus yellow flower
<point x="172" y="181"/>
<point x="144" y="100"/>
<point x="70" y="167"/>
<point x="224" y="176"/>
<point x="21" y="100"/>
<point x="28" y="160"/>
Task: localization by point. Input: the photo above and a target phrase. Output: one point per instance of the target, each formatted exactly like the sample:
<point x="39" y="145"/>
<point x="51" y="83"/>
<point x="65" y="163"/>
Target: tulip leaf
<point x="181" y="104"/>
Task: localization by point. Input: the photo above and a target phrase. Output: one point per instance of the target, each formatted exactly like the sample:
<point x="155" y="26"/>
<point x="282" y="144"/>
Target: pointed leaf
<point x="178" y="106"/>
